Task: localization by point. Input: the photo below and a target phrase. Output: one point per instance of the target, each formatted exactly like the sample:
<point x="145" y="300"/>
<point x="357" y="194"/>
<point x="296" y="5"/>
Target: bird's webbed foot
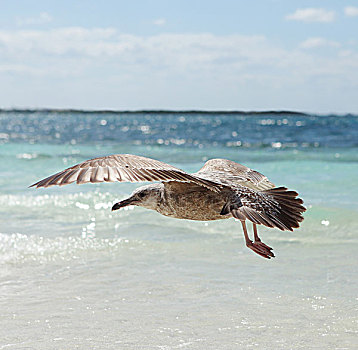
<point x="262" y="244"/>
<point x="260" y="248"/>
<point x="257" y="246"/>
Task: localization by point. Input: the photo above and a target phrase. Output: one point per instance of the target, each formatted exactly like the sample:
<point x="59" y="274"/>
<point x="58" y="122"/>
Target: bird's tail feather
<point x="279" y="208"/>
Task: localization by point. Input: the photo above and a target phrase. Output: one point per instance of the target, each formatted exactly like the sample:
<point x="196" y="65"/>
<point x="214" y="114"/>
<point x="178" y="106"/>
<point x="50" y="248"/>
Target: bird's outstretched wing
<point x="230" y="173"/>
<point x="123" y="168"/>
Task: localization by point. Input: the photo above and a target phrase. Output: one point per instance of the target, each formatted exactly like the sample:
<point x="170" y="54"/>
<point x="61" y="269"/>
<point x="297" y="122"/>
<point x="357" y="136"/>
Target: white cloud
<point x="103" y="66"/>
<point x="160" y="22"/>
<point x="244" y="55"/>
<point x="107" y="42"/>
<point x="312" y="15"/>
<point x="42" y="18"/>
<point x="312" y="43"/>
<point x="351" y="11"/>
<point x="18" y="68"/>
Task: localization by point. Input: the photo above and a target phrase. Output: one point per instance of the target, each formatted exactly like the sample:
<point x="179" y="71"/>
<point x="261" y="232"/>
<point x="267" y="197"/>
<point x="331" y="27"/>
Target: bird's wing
<point x="181" y="188"/>
<point x="123" y="168"/>
<point x="231" y="173"/>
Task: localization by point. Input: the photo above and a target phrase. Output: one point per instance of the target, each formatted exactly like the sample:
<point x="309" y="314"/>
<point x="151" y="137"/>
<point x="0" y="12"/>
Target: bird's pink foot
<point x="260" y="243"/>
<point x="261" y="249"/>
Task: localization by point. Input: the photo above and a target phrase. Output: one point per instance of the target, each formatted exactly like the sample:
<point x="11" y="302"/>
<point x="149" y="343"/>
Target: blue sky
<point x="242" y="55"/>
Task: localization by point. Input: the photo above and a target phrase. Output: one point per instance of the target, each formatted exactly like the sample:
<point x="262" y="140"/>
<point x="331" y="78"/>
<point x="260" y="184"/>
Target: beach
<point x="75" y="275"/>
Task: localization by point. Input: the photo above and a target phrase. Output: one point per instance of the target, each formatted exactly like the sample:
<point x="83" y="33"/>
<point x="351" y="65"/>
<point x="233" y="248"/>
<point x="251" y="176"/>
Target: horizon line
<point x="163" y="111"/>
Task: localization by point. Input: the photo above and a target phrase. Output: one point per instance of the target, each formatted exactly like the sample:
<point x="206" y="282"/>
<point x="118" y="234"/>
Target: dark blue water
<point x="185" y="130"/>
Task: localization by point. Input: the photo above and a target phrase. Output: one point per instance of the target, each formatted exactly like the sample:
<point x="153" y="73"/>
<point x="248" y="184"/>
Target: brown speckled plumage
<point x="219" y="190"/>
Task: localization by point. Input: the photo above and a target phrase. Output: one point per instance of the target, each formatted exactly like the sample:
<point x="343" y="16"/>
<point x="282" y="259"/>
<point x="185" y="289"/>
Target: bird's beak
<point x="122" y="204"/>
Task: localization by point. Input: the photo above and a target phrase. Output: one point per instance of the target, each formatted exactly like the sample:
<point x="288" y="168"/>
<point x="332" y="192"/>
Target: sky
<point x="180" y="54"/>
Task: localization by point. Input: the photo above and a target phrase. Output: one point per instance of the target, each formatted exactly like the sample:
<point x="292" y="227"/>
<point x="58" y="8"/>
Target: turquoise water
<point x="74" y="275"/>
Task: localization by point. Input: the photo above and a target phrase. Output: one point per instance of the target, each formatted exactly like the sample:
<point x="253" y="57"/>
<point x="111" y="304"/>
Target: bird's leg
<point x="257" y="238"/>
<point x="256" y="246"/>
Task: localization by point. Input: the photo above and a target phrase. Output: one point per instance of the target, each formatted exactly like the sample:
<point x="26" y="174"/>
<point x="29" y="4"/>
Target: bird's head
<point x="146" y="196"/>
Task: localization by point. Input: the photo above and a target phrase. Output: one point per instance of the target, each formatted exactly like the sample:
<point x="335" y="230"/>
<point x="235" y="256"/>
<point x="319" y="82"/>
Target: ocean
<point x="74" y="275"/>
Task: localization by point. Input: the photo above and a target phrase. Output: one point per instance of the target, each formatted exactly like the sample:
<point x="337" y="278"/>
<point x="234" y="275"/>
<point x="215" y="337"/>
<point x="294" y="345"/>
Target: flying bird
<point x="221" y="189"/>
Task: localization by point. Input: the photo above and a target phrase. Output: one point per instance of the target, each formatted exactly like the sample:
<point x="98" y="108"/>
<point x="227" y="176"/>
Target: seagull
<point x="221" y="189"/>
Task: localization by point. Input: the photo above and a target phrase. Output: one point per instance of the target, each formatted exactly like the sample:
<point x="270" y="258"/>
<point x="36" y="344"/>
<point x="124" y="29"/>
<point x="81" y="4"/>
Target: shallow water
<point x="74" y="275"/>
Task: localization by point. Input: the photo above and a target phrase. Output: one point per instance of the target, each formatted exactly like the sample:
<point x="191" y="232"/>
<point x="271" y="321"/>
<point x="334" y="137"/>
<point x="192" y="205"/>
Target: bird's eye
<point x="141" y="195"/>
